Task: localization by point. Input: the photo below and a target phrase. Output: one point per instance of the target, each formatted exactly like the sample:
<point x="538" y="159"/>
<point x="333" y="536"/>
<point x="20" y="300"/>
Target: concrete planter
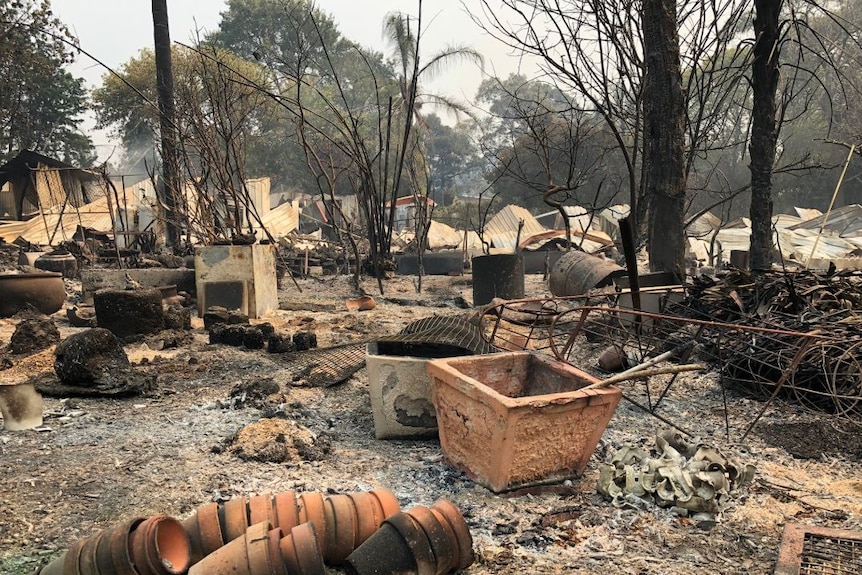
<point x="400" y="395"/>
<point x="236" y="277"/>
<point x="511" y="420"/>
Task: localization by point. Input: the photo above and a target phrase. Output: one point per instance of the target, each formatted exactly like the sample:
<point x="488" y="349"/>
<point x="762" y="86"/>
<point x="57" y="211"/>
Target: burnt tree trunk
<point x="664" y="138"/>
<point x="170" y="187"/>
<point x="764" y="129"/>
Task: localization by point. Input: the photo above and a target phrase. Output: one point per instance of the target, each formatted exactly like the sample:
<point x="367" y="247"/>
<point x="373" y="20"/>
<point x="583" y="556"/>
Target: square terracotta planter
<point x="511" y="420"/>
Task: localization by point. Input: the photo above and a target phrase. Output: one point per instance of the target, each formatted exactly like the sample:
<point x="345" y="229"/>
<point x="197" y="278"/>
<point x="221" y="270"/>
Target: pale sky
<point x="115" y="30"/>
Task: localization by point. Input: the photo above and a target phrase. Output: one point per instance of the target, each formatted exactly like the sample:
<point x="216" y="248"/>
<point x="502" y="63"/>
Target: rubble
<point x="278" y="440"/>
<point x="93" y="363"/>
<point x="34" y="334"/>
<point x="689" y="476"/>
<point x="543" y="528"/>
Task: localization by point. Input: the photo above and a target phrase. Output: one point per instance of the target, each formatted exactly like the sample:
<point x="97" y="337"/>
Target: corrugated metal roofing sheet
<point x="282" y="220"/>
<point x="844" y="221"/>
<point x="442" y="236"/>
<point x="502" y="230"/>
<point x="55" y="228"/>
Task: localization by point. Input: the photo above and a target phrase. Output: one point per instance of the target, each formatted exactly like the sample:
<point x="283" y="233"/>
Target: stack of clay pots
<point x="341" y="522"/>
<point x="282" y="534"/>
<point x="422" y="540"/>
<point x="155" y="546"/>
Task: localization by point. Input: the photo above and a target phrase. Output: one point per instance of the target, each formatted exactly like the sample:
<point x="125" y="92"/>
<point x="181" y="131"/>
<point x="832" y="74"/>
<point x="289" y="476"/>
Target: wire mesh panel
<point x="817" y="369"/>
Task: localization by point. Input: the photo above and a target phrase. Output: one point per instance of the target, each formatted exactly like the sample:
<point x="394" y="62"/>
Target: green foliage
<point x="40" y="103"/>
<point x="284" y="35"/>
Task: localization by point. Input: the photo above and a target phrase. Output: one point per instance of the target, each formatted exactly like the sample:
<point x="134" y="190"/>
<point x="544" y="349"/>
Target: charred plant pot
<point x="44" y="291"/>
<point x="129" y="312"/>
<point x="399" y="546"/>
<point x="497" y="276"/>
<point x="60" y="261"/>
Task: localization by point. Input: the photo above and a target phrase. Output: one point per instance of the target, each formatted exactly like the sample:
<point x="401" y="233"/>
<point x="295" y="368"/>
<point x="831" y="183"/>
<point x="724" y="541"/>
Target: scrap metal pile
<point x="794" y="336"/>
<point x="813" y="353"/>
<point x="692" y="477"/>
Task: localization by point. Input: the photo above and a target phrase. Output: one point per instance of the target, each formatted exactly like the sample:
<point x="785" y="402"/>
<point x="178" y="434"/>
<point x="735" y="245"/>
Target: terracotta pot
<point x="286" y="512"/>
<point x="250" y="554"/>
<point x="260" y="509"/>
<point x="235" y="518"/>
<point x="368" y="516"/>
<point x="311" y="510"/>
<point x="230" y="558"/>
<point x="44" y="291"/>
<point x="160" y="546"/>
<point x="341" y="529"/>
<point x="453" y="538"/>
<point x="117" y="540"/>
<point x="204" y="532"/>
<point x="88" y="563"/>
<point x="300" y="551"/>
<point x="456" y="521"/>
<point x="444" y="543"/>
<point x="261" y="559"/>
<point x="361" y="303"/>
<point x="388" y="503"/>
<point x="73" y="556"/>
<point x="399" y="546"/>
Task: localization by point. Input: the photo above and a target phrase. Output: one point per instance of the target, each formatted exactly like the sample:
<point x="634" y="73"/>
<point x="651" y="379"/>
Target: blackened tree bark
<point x="664" y="124"/>
<point x="764" y="129"/>
<point x="167" y="118"/>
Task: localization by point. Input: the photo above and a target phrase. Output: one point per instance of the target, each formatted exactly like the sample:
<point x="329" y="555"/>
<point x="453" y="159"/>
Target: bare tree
<point x="167" y="117"/>
<point x="596" y="50"/>
<point x="664" y="115"/>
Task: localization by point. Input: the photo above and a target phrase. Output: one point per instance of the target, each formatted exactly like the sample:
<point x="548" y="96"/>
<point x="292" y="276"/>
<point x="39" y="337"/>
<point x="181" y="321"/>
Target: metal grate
<point x="810" y="550"/>
<point x="830" y="555"/>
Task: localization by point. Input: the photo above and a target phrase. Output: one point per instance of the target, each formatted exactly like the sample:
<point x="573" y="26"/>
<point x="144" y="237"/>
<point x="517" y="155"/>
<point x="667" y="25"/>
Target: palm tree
<point x="398" y="30"/>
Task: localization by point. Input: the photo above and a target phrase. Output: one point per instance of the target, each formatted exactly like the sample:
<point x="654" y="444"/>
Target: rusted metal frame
<point x="794" y="363"/>
<point x="496" y="322"/>
<point x="572" y="334"/>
